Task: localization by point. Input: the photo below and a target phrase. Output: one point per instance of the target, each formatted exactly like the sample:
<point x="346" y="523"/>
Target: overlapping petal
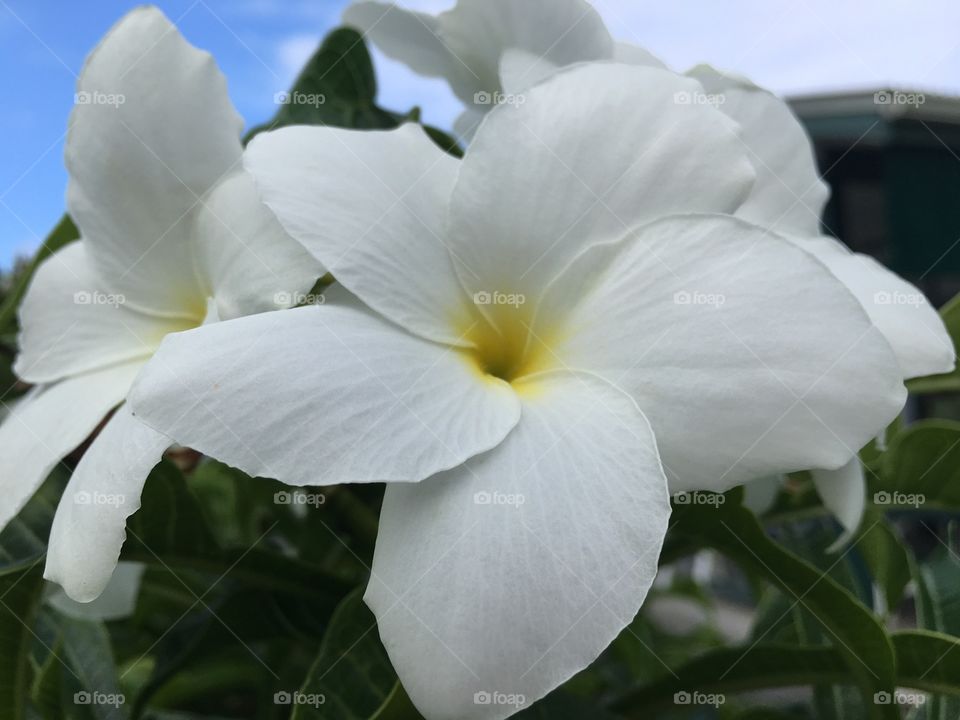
<point x="746" y="354"/>
<point x="465" y="44"/>
<point x="250" y="264"/>
<point x="844" y="493"/>
<point x="47" y="425"/>
<point x="900" y="310"/>
<point x="789" y="195"/>
<point x="511" y="573"/>
<point x="71" y="324"/>
<point x="323" y="395"/>
<point x="153" y="132"/>
<point x="89" y="527"/>
<point x="371" y="207"/>
<point x="592" y="152"/>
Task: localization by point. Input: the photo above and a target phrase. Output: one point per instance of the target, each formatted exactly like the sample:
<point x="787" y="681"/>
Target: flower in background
<point x="526" y="346"/>
<point x="173" y="235"/>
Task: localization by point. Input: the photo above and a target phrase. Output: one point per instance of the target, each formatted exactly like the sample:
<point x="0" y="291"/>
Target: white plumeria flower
<point x="789" y="197"/>
<point x="173" y="235"/>
<point x="494" y="49"/>
<point x="491" y="51"/>
<point x="522" y="342"/>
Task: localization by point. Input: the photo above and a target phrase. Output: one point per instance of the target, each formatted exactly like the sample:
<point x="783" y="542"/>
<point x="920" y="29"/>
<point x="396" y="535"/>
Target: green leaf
<point x="732" y="670"/>
<point x="338" y="87"/>
<point x="928" y="661"/>
<point x="352" y="672"/>
<point x="922" y="467"/>
<point x="24" y="540"/>
<point x="19" y="598"/>
<point x="857" y="634"/>
<point x="948" y="382"/>
<point x="885" y="555"/>
<point x="86" y="646"/>
<point x="64" y="233"/>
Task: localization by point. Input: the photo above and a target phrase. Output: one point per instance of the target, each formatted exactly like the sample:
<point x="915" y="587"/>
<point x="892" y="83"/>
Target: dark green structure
<point x="892" y="159"/>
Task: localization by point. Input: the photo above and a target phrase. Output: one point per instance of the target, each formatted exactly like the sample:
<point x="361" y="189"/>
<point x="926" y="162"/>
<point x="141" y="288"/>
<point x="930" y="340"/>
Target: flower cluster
<point x="619" y="295"/>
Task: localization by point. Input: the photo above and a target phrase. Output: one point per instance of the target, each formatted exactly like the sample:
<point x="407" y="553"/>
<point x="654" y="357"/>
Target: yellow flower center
<point x="505" y="346"/>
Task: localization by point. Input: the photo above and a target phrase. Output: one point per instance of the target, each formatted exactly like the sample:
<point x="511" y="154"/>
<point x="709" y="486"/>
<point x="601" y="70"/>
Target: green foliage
<point x="248" y="599"/>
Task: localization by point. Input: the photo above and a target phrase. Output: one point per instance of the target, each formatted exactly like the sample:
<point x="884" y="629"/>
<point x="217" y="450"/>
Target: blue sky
<point x="791" y="46"/>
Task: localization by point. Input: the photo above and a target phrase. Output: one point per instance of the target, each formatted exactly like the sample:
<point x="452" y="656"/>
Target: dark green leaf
<point x="352" y="672"/>
<point x="857" y="634"/>
<point x="19" y="598"/>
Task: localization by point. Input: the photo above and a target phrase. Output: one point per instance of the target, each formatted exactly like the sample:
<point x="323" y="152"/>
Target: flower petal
<point x="250" y="263"/>
<point x="90" y="525"/>
<point x="789" y="195"/>
<point x="466" y="43"/>
<point x="513" y="572"/>
<point x="371" y="207"/>
<point x="533" y="192"/>
<point x="154" y="132"/>
<point x="47" y="425"/>
<point x="900" y="310"/>
<point x="636" y="55"/>
<point x="118" y="601"/>
<point x="844" y="493"/>
<point x="71" y="325"/>
<point x="747" y="355"/>
<point x="322" y="395"/>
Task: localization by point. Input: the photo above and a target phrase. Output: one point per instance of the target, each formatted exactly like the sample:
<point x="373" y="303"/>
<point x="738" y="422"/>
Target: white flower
<point x="173" y="234"/>
<point x="522" y="43"/>
<point x="523" y="439"/>
<point x="789" y="197"/>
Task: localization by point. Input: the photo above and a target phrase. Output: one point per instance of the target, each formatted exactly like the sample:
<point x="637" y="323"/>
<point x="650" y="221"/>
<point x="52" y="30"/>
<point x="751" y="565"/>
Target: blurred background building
<point x="892" y="158"/>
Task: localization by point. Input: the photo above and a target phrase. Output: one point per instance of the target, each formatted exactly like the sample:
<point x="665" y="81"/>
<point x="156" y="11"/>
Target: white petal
<point x="465" y="44"/>
<point x="250" y="263"/>
<point x="900" y="310"/>
<point x="844" y="493"/>
<point x="155" y="133"/>
<point x="534" y="191"/>
<point x="118" y="601"/>
<point x="789" y="195"/>
<point x="513" y="572"/>
<point x="759" y="495"/>
<point x="467" y="123"/>
<point x="46" y="426"/>
<point x="411" y="37"/>
<point x="521" y="69"/>
<point x="636" y="55"/>
<point x="90" y="525"/>
<point x="71" y="324"/>
<point x="370" y="206"/>
<point x="322" y="395"/>
<point x="745" y="352"/>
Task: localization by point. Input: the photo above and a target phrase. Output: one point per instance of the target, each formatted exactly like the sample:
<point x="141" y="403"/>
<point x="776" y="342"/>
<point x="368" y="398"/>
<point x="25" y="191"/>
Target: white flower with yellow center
<point x="495" y="49"/>
<point x="526" y="344"/>
<point x="173" y="235"/>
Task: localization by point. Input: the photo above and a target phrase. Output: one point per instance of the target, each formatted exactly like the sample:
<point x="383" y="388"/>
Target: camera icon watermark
<point x="296" y="299"/>
<point x="95" y="97"/>
<point x="285" y="497"/>
<point x="697" y="97"/>
<point x="492" y="697"/>
<point x="695" y="297"/>
<point x="486" y="297"/>
<point x="896" y="97"/>
<point x="486" y="98"/>
<point x="85" y="697"/>
<point x="896" y="497"/>
<point x="899" y="697"/>
<point x="84" y="297"/>
<point x="296" y="697"/>
<point x="699" y="498"/>
<point x="84" y="497"/>
<point x="296" y="97"/>
<point x="499" y="498"/>
<point x="685" y="697"/>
